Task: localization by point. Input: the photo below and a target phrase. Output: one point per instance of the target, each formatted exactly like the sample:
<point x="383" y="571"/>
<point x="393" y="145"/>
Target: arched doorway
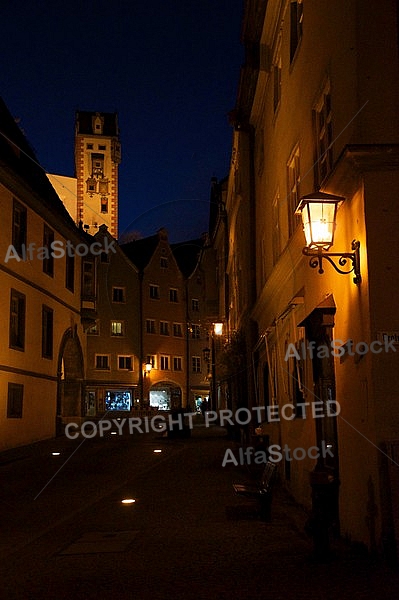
<point x="165" y="396"/>
<point x="69" y="378"/>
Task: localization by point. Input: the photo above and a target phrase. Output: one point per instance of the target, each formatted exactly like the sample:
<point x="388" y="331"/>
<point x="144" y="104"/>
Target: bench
<point x="261" y="491"/>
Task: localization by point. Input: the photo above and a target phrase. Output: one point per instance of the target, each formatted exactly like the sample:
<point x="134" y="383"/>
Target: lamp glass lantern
<point x="218" y="328"/>
<point x="147" y="368"/>
<point x="319" y="211"/>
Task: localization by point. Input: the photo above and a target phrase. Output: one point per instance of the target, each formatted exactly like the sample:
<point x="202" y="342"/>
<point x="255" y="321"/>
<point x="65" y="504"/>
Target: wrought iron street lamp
<point x="318" y="211"/>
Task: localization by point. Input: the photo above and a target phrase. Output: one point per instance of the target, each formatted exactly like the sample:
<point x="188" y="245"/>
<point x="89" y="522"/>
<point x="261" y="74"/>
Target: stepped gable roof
<point x="141" y="251"/>
<point x="187" y="254"/>
<point x="84" y="123"/>
<point x="18" y="158"/>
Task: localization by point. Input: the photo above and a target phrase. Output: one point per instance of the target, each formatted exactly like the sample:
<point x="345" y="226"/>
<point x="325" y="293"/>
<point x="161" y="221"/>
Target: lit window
<point x="117" y="328"/>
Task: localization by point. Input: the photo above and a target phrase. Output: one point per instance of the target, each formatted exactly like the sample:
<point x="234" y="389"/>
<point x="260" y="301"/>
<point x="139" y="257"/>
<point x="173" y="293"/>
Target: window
<point x="195" y="305"/>
<point x="102" y="147"/>
<point x="164" y="262"/>
<point x="296" y="27"/>
<point x="196" y="364"/>
<point x="125" y="363"/>
<point x="164" y="362"/>
<point x="89" y="146"/>
<point x="17" y="321"/>
<point x="97" y="165"/>
<point x="154" y="292"/>
<point x="117" y="328"/>
<point x="91" y="186"/>
<point x="276" y="230"/>
<point x="164" y="328"/>
<point x="104" y="204"/>
<point x="118" y="400"/>
<point x="102" y="361"/>
<point x="88" y="279"/>
<point x="15" y="400"/>
<point x="18" y="227"/>
<point x="150" y="326"/>
<point x="322" y="119"/>
<point x="177" y="330"/>
<point x="69" y="272"/>
<point x="173" y="295"/>
<point x="293" y="181"/>
<point x="94" y="329"/>
<point x="277" y="80"/>
<point x="151" y="360"/>
<point x="47" y="332"/>
<point x="118" y="294"/>
<point x="48" y="259"/>
<point x="195" y="332"/>
<point x="177" y="363"/>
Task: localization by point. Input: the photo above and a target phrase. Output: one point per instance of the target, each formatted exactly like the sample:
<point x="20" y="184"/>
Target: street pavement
<point x="66" y="535"/>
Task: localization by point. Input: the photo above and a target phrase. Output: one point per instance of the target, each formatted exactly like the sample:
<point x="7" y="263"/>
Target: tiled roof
<point x="84" y="123"/>
<point x="141" y="251"/>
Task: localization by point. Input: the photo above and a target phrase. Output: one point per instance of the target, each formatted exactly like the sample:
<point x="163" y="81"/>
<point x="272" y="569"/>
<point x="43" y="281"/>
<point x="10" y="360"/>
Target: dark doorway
<point x="70" y="379"/>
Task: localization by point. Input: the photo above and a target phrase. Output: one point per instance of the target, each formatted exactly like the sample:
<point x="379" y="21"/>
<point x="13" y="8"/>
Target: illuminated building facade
<point x="42" y="350"/>
<point x="317" y="111"/>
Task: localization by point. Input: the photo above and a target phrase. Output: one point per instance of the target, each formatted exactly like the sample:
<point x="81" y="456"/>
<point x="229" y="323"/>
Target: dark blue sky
<point x="170" y="68"/>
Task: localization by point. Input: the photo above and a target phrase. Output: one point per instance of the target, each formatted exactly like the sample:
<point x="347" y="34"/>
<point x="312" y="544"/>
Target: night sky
<point x="170" y="68"/>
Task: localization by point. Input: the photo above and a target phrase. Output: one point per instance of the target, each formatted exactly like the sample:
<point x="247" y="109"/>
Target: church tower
<point x="97" y="156"/>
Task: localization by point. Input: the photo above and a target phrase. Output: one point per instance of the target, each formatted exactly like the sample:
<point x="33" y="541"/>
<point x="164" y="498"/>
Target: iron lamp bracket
<point x="337" y="260"/>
